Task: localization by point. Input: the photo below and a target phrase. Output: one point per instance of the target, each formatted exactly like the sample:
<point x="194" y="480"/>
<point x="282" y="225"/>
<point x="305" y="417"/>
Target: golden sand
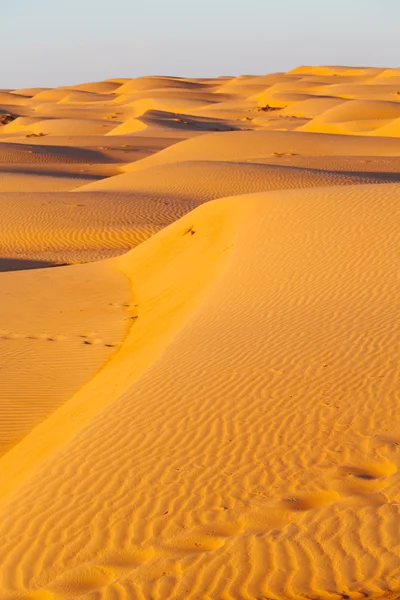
<point x="206" y="409"/>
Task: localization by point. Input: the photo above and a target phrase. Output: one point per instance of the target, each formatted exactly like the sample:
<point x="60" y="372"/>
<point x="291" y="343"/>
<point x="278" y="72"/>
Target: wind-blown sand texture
<point x="208" y="408"/>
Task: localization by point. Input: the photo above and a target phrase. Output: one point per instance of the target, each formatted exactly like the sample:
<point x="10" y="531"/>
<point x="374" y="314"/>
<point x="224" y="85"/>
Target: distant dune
<point x="201" y="400"/>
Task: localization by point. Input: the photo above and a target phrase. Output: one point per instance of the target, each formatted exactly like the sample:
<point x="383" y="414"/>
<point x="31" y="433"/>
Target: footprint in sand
<point x="92" y="341"/>
<point x="96" y="576"/>
<point x="194" y="543"/>
<point x="125" y="560"/>
<point x="305" y="502"/>
<point x="88" y="340"/>
<point x="365" y="478"/>
<point x="82" y="581"/>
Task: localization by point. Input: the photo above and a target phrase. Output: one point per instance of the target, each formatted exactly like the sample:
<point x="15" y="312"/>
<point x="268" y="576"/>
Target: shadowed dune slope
<point x="244" y="453"/>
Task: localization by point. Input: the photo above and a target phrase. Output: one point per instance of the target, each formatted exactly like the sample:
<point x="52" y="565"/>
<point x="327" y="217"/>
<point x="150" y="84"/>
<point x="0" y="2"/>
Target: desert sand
<point x="199" y="347"/>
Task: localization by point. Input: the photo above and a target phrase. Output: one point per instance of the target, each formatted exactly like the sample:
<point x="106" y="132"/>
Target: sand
<point x="199" y="350"/>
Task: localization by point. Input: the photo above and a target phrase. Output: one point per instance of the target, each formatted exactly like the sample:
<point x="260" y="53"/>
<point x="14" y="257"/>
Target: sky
<point x="61" y="42"/>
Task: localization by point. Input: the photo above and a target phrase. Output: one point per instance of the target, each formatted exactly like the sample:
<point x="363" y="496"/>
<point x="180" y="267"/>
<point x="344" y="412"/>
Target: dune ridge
<point x="351" y="473"/>
<point x="208" y="408"/>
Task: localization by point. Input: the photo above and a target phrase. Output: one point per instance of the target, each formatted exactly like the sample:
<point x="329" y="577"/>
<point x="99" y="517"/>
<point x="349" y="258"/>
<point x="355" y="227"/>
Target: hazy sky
<point x="56" y="42"/>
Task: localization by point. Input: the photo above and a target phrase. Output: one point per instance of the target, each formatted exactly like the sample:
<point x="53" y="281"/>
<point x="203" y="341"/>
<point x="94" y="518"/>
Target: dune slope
<point x="57" y="328"/>
<point x="240" y="453"/>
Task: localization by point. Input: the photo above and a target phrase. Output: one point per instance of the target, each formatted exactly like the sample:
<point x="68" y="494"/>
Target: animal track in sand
<point x="89" y="339"/>
<point x="388" y="441"/>
<point x="46" y="337"/>
<point x="194" y="543"/>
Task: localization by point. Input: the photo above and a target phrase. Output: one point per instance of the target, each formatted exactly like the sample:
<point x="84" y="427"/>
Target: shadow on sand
<point x="16" y="264"/>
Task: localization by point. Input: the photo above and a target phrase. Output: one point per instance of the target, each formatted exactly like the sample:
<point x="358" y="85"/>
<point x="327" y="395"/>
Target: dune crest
<point x="156" y="269"/>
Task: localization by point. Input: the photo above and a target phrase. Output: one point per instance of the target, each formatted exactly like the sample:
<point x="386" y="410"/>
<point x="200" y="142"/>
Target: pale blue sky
<point x="56" y="42"/>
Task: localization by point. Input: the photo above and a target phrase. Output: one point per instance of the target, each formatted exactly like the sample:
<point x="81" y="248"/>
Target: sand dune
<point x="157" y="83"/>
<point x="235" y="481"/>
<point x="312" y="107"/>
<point x="355" y="116"/>
<point x="35" y="127"/>
<point x="391" y="129"/>
<point x="261" y="145"/>
<point x="208" y="180"/>
<point x="73" y="227"/>
<point x="207" y="409"/>
<point x="97" y="87"/>
<point x="25" y="179"/>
